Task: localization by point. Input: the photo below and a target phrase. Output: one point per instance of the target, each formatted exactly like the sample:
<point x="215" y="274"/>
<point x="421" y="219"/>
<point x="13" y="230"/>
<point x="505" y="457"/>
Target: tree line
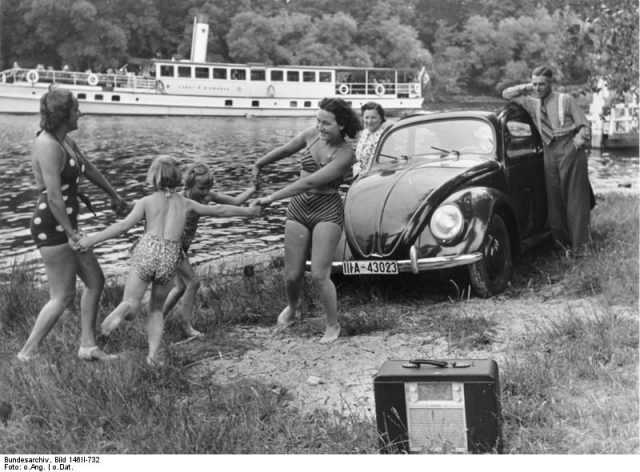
<point x="467" y="46"/>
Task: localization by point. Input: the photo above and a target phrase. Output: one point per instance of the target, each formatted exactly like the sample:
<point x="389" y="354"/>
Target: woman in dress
<point x="373" y="119"/>
<point x="58" y="165"/>
<point x="315" y="214"/>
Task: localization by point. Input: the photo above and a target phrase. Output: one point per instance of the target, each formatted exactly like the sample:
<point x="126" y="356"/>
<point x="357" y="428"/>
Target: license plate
<point x="369" y="267"/>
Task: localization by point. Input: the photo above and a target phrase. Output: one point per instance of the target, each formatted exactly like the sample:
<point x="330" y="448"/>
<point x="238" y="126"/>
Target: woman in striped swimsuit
<point x="315" y="213"/>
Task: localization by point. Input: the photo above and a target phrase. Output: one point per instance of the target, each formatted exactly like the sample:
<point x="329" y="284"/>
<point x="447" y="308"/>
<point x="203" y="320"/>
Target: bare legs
<point x="325" y="240"/>
<point x="133" y="292"/>
<point x="155" y="324"/>
<point x="187" y="284"/>
<point x="62" y="264"/>
<point x="297" y="239"/>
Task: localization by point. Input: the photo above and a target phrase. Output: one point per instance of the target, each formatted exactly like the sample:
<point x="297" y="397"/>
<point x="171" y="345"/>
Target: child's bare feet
<point x="110" y="323"/>
<point x="331" y="333"/>
<point x="154" y="362"/>
<point x="191" y="332"/>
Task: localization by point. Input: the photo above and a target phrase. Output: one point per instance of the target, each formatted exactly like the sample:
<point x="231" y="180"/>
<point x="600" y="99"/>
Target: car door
<point x="524" y="165"/>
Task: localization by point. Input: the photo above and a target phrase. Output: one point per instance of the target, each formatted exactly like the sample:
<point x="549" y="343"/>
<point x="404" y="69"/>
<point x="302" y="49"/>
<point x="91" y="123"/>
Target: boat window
<point x="277" y="76"/>
<point x="98" y="97"/>
<point x="307" y="104"/>
<point x="219" y="73"/>
<point x="202" y="72"/>
<point x="324" y="77"/>
<point x="238" y="74"/>
<point x="184" y="71"/>
<point x="293" y="76"/>
<point x="293" y="104"/>
<point x="166" y="71"/>
<point x="255" y="103"/>
<point x="115" y="98"/>
<point x="82" y="96"/>
<point x="308" y="76"/>
<point x="228" y="103"/>
<point x="258" y="75"/>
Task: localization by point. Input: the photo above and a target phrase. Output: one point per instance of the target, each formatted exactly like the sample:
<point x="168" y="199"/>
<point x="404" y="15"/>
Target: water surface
<point x="123" y="147"/>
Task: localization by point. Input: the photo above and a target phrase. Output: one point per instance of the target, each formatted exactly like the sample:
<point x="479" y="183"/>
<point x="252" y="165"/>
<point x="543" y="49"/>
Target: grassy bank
<point x="569" y="386"/>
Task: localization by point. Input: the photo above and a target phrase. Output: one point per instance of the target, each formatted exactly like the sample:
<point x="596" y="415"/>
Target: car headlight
<point x="447" y="222"/>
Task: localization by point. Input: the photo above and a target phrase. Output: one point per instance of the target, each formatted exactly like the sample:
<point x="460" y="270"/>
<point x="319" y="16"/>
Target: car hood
<point x="388" y="207"/>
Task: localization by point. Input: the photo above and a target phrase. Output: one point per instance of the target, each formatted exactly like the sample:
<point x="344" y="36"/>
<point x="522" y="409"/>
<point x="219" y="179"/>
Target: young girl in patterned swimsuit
<point x="197" y="186"/>
<point x="159" y="251"/>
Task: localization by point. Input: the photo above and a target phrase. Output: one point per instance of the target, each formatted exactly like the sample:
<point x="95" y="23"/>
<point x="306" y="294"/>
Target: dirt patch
<point x="339" y="377"/>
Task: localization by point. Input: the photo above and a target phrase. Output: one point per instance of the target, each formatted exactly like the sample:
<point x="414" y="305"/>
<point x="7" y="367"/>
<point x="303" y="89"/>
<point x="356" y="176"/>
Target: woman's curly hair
<point x="55" y="108"/>
<point x="345" y="116"/>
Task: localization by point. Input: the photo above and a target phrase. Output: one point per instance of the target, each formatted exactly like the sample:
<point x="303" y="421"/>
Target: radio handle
<point x="416" y="363"/>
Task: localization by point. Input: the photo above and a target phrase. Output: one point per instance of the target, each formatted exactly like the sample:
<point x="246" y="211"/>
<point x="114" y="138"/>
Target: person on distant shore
<point x="58" y="165"/>
<point x="315" y="214"/>
<point x="373" y="119"/>
<point x="158" y="253"/>
<point x="565" y="132"/>
<point x="197" y="186"/>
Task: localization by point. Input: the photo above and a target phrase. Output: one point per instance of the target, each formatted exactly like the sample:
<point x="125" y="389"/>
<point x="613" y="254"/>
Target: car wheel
<point x="491" y="275"/>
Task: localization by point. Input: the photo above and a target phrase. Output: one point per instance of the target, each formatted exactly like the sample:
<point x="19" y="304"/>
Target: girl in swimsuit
<point x="156" y="257"/>
<point x="315" y="213"/>
<point x="58" y="166"/>
<point x="197" y="186"/>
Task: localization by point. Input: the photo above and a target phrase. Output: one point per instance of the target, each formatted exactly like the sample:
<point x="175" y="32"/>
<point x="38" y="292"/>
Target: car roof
<point x="451" y="114"/>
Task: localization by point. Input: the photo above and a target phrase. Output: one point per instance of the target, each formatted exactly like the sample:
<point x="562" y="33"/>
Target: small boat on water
<point x="197" y="87"/>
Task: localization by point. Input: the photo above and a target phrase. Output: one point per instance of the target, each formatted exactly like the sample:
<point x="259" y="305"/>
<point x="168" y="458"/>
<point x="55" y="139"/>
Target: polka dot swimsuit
<point x="45" y="229"/>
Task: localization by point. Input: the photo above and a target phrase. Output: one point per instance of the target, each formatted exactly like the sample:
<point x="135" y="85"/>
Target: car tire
<point x="491" y="275"/>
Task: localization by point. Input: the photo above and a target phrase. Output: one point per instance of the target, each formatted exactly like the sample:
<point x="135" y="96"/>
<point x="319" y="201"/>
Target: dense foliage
<point x="467" y="46"/>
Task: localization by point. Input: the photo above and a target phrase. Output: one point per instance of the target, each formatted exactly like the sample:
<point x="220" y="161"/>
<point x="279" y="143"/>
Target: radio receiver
<point x="437" y="406"/>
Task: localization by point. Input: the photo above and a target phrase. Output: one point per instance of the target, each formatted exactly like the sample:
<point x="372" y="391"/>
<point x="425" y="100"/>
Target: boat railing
<point x="379" y="89"/>
<point x="622" y="118"/>
<point x="107" y="81"/>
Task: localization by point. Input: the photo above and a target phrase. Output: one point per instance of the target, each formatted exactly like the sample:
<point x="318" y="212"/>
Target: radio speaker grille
<point x="437" y="430"/>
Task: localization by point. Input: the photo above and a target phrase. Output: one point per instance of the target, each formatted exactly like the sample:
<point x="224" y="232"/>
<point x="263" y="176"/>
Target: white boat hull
<point x="24" y="99"/>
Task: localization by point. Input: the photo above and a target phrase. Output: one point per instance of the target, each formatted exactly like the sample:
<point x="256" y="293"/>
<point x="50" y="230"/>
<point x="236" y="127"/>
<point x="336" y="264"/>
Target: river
<point x="123" y="147"/>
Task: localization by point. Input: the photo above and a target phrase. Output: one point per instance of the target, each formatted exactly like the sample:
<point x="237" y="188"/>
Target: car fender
<point x="478" y="205"/>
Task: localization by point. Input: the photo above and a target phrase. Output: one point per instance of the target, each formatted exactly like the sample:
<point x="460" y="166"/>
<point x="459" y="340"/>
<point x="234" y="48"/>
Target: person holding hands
<point x="315" y="214"/>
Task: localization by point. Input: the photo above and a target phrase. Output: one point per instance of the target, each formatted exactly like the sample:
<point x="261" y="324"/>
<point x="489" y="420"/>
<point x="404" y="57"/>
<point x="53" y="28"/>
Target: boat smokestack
<point x="200" y="38"/>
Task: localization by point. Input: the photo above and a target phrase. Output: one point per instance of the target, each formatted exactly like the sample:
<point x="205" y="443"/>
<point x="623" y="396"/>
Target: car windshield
<point x="438" y="139"/>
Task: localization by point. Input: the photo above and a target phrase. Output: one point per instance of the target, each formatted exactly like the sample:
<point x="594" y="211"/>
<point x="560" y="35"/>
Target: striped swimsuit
<point x="309" y="208"/>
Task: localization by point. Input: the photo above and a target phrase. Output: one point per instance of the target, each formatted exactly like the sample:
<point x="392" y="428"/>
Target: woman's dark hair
<point x="345" y="116"/>
<point x="373" y="106"/>
<point x="55" y="108"/>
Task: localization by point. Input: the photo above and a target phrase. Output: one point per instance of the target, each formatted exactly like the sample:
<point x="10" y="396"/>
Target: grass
<point x="569" y="386"/>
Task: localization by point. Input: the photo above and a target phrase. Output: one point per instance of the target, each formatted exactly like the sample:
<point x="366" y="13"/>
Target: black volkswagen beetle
<point x="448" y="189"/>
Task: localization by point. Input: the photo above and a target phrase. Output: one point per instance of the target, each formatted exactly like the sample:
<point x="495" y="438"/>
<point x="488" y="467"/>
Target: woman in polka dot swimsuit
<point x="58" y="164"/>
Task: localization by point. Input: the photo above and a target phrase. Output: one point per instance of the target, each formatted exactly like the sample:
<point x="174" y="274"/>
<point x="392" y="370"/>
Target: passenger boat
<point x="197" y="87"/>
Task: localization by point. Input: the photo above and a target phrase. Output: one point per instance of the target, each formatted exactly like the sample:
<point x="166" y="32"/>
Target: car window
<point x="520" y="138"/>
<point x="435" y="137"/>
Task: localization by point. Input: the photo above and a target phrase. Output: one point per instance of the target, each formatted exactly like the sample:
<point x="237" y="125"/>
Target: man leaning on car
<point x="565" y="132"/>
